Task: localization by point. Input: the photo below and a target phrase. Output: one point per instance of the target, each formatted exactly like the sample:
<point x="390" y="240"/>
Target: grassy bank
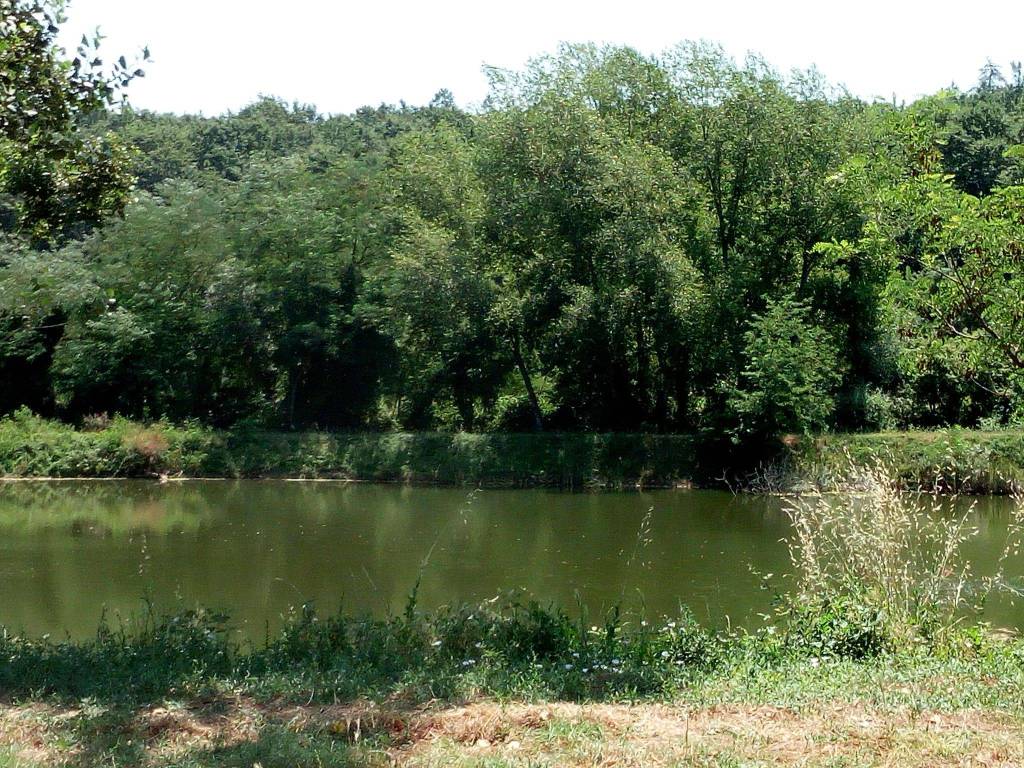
<point x="968" y="461"/>
<point x="965" y="461"/>
<point x="511" y="685"/>
<point x="32" y="447"/>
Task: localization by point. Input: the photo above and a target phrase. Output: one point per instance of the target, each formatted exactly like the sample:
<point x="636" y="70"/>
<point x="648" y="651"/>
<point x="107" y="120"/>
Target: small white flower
<point x="665" y="654"/>
<point x="436" y="643"/>
<point x="568" y="666"/>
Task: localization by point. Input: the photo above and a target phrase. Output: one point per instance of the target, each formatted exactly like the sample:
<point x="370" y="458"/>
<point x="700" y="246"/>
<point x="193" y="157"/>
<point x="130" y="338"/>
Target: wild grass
<point x="494" y="685"/>
<point x="891" y="557"/>
<point x="954" y="460"/>
<point x="35" y="447"/>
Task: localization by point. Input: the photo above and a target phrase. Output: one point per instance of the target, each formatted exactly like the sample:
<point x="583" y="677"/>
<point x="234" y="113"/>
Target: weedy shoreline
<point x="961" y="461"/>
<point x="516" y="685"/>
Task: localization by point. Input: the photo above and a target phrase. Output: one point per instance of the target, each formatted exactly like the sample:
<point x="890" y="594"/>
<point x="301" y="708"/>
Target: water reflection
<point x="69" y="550"/>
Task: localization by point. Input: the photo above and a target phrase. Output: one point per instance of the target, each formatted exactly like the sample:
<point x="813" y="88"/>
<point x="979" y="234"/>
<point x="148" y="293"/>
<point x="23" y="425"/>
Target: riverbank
<point x="961" y="460"/>
<point x="965" y="460"/>
<point x="512" y="685"/>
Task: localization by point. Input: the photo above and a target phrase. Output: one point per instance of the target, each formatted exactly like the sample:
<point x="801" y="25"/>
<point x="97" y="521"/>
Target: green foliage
<point x="151" y="658"/>
<point x="790" y="375"/>
<point x="57" y="178"/>
<point x="836" y="626"/>
<point x="509" y="648"/>
<point x="586" y="252"/>
<point x="960" y="461"/>
<point x="955" y="294"/>
<point x="983" y="132"/>
<point x="34" y="447"/>
<point x="506" y="649"/>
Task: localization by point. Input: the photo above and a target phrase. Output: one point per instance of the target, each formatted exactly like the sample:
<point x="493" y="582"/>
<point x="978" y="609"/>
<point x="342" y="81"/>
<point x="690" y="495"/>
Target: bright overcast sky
<point x="215" y="55"/>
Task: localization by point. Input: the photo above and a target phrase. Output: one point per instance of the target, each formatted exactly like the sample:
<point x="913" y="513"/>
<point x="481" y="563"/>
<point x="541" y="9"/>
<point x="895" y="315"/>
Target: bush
<point x="836" y="627"/>
<point x="34" y="447"/>
<point x="884" y="412"/>
<point x="790" y="374"/>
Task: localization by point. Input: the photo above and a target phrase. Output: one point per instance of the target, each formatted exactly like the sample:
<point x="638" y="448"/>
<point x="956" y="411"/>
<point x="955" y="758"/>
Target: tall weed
<point x="888" y="557"/>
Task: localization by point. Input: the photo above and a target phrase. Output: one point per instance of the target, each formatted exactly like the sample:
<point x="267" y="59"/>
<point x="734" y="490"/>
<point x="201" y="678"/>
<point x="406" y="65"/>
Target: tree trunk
<point x="538" y="417"/>
<point x="682" y="387"/>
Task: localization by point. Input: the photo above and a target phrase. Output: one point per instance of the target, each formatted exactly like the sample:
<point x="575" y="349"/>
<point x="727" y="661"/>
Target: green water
<point x="255" y="549"/>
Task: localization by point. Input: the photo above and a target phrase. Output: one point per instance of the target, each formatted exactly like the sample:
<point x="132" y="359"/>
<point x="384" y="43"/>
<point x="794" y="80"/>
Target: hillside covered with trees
<point x="613" y="242"/>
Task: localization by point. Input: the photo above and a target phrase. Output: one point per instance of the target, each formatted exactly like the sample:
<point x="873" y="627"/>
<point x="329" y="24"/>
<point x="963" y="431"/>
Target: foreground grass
<point x="513" y="685"/>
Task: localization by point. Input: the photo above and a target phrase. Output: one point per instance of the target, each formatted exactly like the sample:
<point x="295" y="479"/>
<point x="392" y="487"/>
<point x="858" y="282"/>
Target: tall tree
<point x="54" y="178"/>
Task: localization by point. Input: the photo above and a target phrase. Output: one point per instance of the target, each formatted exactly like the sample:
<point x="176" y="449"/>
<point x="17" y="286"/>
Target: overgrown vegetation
<point x="952" y="460"/>
<point x="887" y="561"/>
<point x="613" y="242"/>
<point x="507" y="650"/>
<point x="34" y="447"/>
<point x="957" y="461"/>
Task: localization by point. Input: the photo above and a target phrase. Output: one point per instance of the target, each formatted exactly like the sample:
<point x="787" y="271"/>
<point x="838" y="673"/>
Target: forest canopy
<point x="613" y="241"/>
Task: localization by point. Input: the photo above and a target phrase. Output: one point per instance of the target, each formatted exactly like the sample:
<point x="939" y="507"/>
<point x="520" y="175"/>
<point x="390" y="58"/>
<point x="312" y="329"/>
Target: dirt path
<point x="213" y="733"/>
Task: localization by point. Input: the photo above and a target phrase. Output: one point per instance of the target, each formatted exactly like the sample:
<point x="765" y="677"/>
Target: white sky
<point x="215" y="55"/>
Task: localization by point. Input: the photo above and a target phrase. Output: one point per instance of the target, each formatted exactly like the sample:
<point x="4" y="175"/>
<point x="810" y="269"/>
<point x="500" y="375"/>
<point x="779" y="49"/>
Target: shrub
<point x="836" y="627"/>
<point x="148" y="443"/>
<point x="790" y="373"/>
<point x="34" y="447"/>
<point x="886" y="412"/>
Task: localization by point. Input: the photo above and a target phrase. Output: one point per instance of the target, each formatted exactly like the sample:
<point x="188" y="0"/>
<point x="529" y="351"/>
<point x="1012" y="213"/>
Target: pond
<point x="256" y="549"/>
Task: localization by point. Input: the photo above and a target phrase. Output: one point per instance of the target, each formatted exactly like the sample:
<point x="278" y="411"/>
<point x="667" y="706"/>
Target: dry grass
<point x="487" y="733"/>
<point x="897" y="551"/>
<point x="652" y="735"/>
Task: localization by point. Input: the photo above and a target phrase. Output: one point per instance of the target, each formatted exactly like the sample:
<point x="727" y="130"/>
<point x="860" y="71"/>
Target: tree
<point x="586" y="224"/>
<point x="765" y="154"/>
<point x="437" y="299"/>
<point x="982" y="129"/>
<point x="56" y="178"/>
<point x="791" y="372"/>
<point x="959" y="277"/>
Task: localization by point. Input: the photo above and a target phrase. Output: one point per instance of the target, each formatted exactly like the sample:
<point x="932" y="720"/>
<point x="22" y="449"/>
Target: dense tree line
<point x="612" y="242"/>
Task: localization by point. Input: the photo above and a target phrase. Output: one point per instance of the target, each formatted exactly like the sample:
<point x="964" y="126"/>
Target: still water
<point x="255" y="549"/>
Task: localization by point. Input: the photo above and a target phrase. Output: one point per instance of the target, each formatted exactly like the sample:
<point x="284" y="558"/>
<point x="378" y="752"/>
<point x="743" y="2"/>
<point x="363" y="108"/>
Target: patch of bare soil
<point x="656" y="735"/>
<point x="558" y="734"/>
